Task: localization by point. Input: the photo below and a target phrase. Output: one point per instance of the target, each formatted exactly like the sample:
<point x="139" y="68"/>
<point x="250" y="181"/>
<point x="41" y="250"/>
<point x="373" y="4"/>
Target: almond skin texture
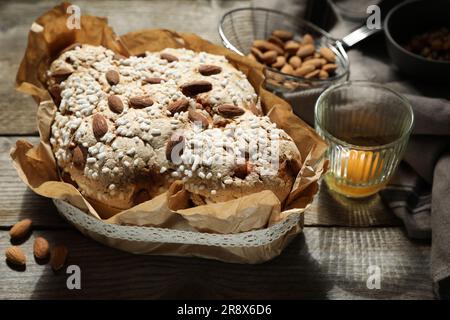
<point x="79" y="157"/>
<point x="16" y="256"/>
<point x="208" y="69"/>
<point x="99" y="125"/>
<point x="230" y="111"/>
<point x="112" y="77"/>
<point x="41" y="248"/>
<point x="58" y="257"/>
<point x="168" y="57"/>
<point x="115" y="103"/>
<point x="197" y="117"/>
<point x="140" y="102"/>
<point x="195" y="87"/>
<point x="178" y="106"/>
<point x="20" y="229"/>
<point x="284" y="35"/>
<point x="153" y="80"/>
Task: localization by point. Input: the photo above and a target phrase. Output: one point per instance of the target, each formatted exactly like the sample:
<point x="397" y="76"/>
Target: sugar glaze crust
<point x="116" y="117"/>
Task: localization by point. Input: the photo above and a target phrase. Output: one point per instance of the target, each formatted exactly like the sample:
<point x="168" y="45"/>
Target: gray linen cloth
<point x="419" y="194"/>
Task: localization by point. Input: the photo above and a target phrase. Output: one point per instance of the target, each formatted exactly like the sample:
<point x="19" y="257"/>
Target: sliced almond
<point x="99" y="125"/>
<point x="306" y="50"/>
<point x="230" y="111"/>
<point x="283" y="34"/>
<point x="112" y="77"/>
<point x="195" y="87"/>
<point x="115" y="103"/>
<point x="209" y="69"/>
<point x="328" y="54"/>
<point x="20" y="229"/>
<point x="198" y="118"/>
<point x="141" y="102"/>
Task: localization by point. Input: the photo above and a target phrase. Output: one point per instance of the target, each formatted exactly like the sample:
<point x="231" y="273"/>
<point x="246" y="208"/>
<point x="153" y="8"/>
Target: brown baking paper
<point x="37" y="167"/>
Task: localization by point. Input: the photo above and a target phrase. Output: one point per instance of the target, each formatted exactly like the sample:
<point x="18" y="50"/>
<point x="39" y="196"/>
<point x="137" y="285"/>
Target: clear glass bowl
<point x="367" y="127"/>
<point x="238" y="29"/>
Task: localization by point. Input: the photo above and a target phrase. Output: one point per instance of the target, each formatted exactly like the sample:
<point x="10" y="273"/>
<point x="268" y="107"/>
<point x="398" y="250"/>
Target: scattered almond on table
<point x="293" y="57"/>
<point x="20" y="229"/>
<point x="58" y="257"/>
<point x="15" y="256"/>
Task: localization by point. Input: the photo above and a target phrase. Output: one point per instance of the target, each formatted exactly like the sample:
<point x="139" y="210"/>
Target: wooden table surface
<point x="329" y="260"/>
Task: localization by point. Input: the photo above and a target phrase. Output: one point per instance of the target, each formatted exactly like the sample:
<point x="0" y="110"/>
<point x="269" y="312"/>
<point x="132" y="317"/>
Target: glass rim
<point x="364" y="83"/>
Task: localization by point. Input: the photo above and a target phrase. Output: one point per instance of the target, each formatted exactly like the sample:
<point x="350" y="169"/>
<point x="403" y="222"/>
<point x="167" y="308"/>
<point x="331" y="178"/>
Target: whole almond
<point x="328" y="54"/>
<point x="275" y="40"/>
<point x="221" y="123"/>
<point x="329" y="67"/>
<point x="312" y="74"/>
<point x="197" y="117"/>
<point x="264" y="45"/>
<point x="58" y="257"/>
<point x="79" y="157"/>
<point x="306" y="50"/>
<point x="16" y="256"/>
<point x="115" y="103"/>
<point x="323" y="74"/>
<point x="256" y="53"/>
<point x="140" y="102"/>
<point x="113" y="77"/>
<point x="209" y="69"/>
<point x="284" y="35"/>
<point x="174" y="141"/>
<point x="279" y="63"/>
<point x="307" y="39"/>
<point x="169" y="57"/>
<point x="193" y="88"/>
<point x="269" y="57"/>
<point x="291" y="47"/>
<point x="178" y="106"/>
<point x="20" y="229"/>
<point x="317" y="63"/>
<point x="287" y="68"/>
<point x="304" y="69"/>
<point x="243" y="170"/>
<point x="61" y="74"/>
<point x="230" y="111"/>
<point x="55" y="92"/>
<point x="295" y="62"/>
<point x="41" y="248"/>
<point x="99" y="125"/>
<point x="153" y="80"/>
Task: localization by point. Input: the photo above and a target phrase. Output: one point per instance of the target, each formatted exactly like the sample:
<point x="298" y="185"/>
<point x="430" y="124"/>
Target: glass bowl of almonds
<point x="297" y="55"/>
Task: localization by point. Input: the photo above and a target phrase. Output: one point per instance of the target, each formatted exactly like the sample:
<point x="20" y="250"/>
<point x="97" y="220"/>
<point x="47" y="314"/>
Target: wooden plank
<point x="19" y="202"/>
<point x="331" y="209"/>
<point x="17" y="115"/>
<point x="322" y="263"/>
